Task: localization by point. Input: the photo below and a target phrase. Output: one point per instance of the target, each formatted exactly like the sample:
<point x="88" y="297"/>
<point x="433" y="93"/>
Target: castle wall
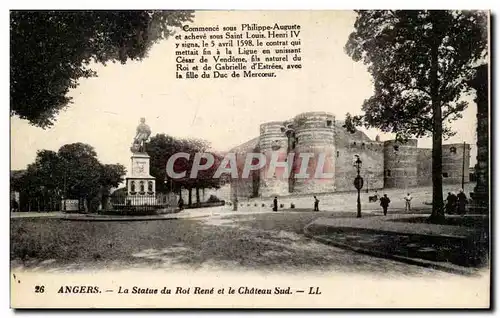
<point x="314" y="133"/>
<point x="273" y="142"/>
<point x="400" y="164"/>
<point x="388" y="164"/>
<point x="372" y="169"/>
<point x="242" y="188"/>
<point x="424" y="167"/>
<point x="453" y="163"/>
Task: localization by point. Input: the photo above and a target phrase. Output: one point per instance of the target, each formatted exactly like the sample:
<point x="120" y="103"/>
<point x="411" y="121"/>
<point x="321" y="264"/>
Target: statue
<point x="142" y="134"/>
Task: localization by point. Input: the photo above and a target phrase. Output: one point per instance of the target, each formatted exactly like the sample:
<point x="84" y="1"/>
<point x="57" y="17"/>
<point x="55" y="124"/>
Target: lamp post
<point x="463" y="167"/>
<point x="358" y="181"/>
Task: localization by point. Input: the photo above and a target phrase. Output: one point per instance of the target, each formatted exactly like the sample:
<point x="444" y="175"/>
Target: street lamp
<point x="463" y="167"/>
<point x="358" y="181"/>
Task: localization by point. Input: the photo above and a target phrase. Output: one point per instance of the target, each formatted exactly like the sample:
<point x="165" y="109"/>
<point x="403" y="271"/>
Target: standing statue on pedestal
<point x="142" y="134"/>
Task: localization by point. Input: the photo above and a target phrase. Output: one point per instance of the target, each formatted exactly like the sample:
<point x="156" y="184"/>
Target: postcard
<point x="250" y="159"/>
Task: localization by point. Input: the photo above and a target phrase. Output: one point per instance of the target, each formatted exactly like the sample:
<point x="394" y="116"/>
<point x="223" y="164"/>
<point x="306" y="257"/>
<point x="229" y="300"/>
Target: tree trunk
<point x="104" y="202"/>
<point x="197" y="196"/>
<point x="437" y="133"/>
<point x="190" y="197"/>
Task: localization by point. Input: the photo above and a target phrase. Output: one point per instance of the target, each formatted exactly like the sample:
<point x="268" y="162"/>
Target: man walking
<point x="384" y="203"/>
<point x="275" y="204"/>
<point x="451" y="203"/>
<point x="462" y="202"/>
<point x="316" y="204"/>
<point x="407" y="202"/>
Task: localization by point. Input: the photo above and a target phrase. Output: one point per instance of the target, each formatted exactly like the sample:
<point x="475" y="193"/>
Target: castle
<point x="386" y="164"/>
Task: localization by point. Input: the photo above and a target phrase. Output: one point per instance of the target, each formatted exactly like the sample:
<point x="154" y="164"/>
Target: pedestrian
<point x="316" y="204"/>
<point x="181" y="203"/>
<point x="15" y="206"/>
<point x="462" y="202"/>
<point x="275" y="204"/>
<point x="384" y="203"/>
<point x="451" y="203"/>
<point x="408" y="202"/>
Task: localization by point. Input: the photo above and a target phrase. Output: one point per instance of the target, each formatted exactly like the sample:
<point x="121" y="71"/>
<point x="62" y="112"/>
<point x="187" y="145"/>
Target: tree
<point x="82" y="171"/>
<point x="84" y="176"/>
<point x="205" y="178"/>
<point x="161" y="147"/>
<point x="420" y="62"/>
<point x="16" y="179"/>
<point x="72" y="172"/>
<point x="50" y="51"/>
<point x="192" y="146"/>
<point x="31" y="185"/>
<point x="111" y="177"/>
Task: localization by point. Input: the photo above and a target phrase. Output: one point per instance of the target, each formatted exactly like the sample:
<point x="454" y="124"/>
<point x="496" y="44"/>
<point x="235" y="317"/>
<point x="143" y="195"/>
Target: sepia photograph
<point x="250" y="159"/>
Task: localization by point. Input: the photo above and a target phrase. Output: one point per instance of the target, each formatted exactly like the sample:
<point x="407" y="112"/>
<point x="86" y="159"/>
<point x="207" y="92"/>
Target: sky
<point x="226" y="112"/>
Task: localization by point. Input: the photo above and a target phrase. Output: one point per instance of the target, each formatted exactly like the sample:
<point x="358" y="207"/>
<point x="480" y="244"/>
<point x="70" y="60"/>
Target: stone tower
<point x="314" y="133"/>
<point x="400" y="164"/>
<point x="273" y="142"/>
<point x="456" y="161"/>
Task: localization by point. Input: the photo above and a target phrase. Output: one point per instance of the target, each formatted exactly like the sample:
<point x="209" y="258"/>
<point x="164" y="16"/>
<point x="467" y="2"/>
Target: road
<point x="346" y="201"/>
<point x="270" y="242"/>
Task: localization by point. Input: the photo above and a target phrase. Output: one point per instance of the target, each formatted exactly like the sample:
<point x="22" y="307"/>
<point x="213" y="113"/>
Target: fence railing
<point x="142" y="202"/>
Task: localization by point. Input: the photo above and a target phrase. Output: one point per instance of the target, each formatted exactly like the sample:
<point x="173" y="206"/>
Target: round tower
<point x="400" y="164"/>
<point x="314" y="133"/>
<point x="456" y="160"/>
<point x="273" y="143"/>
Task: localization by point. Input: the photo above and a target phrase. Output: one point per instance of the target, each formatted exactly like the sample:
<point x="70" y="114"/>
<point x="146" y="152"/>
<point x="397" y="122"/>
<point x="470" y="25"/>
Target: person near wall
<point x="275" y="204"/>
<point x="316" y="204"/>
<point x="408" y="202"/>
<point x="451" y="203"/>
<point x="462" y="202"/>
<point x="384" y="203"/>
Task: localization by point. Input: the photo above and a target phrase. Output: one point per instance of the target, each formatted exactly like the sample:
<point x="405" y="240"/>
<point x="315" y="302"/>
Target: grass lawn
<point x="86" y="241"/>
<point x="268" y="241"/>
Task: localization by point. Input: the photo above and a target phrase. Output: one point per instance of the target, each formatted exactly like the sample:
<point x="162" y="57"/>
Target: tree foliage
<point x="420" y="62"/>
<point x="71" y="172"/>
<point x="161" y="147"/>
<point x="396" y="46"/>
<point x="50" y="51"/>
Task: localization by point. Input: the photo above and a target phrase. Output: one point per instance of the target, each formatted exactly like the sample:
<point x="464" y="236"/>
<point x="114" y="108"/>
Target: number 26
<point x="39" y="289"/>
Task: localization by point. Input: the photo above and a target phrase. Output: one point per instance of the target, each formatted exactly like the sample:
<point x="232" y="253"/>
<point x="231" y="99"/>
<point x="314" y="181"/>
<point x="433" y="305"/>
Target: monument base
<point x="141" y="186"/>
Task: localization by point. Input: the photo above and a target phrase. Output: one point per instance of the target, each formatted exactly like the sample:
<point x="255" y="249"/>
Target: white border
<point x="189" y="4"/>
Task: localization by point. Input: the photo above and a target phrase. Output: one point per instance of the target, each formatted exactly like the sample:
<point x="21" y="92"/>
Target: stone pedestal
<point x="140" y="184"/>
